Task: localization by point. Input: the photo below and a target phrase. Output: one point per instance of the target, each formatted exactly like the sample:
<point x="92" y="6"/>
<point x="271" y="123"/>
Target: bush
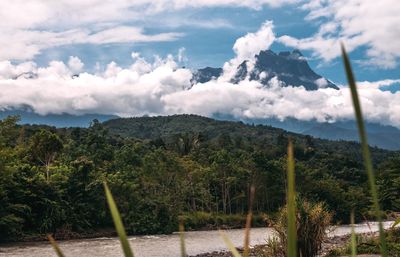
<point x="206" y="220"/>
<point x="312" y="221"/>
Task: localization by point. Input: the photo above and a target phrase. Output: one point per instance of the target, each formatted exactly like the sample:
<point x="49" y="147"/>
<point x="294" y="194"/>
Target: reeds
<point x="353" y="236"/>
<point x="229" y="244"/>
<point x="365" y="149"/>
<point x="182" y="239"/>
<point x="291" y="205"/>
<point x="119" y="226"/>
<point x="55" y="246"/>
<point x="246" y="246"/>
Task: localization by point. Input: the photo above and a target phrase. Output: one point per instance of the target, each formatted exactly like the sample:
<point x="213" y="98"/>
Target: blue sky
<point x="130" y="54"/>
<point x="208" y="34"/>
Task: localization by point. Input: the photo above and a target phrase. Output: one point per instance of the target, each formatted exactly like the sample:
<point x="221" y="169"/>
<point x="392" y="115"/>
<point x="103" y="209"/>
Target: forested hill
<point x="184" y="132"/>
<point x="167" y="126"/>
<point x="163" y="168"/>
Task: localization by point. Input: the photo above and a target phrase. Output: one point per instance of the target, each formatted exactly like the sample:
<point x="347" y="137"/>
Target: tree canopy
<point x="160" y="168"/>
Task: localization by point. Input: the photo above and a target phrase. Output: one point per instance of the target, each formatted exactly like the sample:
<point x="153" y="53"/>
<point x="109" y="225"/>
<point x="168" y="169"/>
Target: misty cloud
<point x="161" y="88"/>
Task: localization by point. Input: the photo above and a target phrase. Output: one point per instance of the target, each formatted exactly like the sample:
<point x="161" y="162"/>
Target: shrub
<point x="312" y="221"/>
<point x="205" y="220"/>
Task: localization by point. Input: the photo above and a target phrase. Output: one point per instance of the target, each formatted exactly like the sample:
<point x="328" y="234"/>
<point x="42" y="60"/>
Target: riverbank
<point x="197" y="221"/>
<point x="197" y="242"/>
<point x="331" y="243"/>
<point x="62" y="235"/>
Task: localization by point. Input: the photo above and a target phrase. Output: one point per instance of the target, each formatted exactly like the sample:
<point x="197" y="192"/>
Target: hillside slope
<point x="202" y="129"/>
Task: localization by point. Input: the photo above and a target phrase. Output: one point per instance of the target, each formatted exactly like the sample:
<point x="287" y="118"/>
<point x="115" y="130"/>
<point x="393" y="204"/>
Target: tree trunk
<point x="47" y="172"/>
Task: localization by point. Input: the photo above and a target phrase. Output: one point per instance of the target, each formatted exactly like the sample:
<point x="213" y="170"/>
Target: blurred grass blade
<point x="55" y="246"/>
<point x="230" y="245"/>
<point x="182" y="239"/>
<point x="365" y="148"/>
<point x="246" y="247"/>
<point x="118" y="222"/>
<point x="396" y="222"/>
<point x="366" y="221"/>
<point x="291" y="204"/>
<point x="353" y="236"/>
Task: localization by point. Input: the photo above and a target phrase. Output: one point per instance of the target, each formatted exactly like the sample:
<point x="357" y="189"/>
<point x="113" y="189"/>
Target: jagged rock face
<point x="289" y="67"/>
<point x="206" y="74"/>
<point x="27" y="75"/>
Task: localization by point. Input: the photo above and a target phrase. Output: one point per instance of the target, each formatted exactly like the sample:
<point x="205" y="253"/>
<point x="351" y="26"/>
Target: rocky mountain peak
<point x="289" y="67"/>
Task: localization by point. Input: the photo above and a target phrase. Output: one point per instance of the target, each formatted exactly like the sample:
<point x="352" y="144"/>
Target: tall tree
<point x="44" y="147"/>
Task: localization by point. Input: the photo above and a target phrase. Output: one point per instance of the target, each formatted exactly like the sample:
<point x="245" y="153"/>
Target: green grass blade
<point x="118" y="222"/>
<point x="230" y="245"/>
<point x="246" y="247"/>
<point x="182" y="239"/>
<point x="365" y="148"/>
<point x="291" y="204"/>
<point x="353" y="236"/>
<point x="396" y="222"/>
<point x="55" y="246"/>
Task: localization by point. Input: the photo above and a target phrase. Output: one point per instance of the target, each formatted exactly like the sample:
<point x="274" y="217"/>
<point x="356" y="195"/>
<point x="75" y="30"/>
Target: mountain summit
<point x="289" y="67"/>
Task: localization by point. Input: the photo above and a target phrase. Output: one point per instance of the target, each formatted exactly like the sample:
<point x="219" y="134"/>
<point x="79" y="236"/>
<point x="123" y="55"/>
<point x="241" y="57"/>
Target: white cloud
<point x="75" y="64"/>
<point x="24" y="44"/>
<point x="10" y="71"/>
<point x="378" y="84"/>
<point x="182" y="20"/>
<point x="18" y="14"/>
<point x="117" y="90"/>
<point x="162" y="88"/>
<point x="358" y="23"/>
<point x="182" y="58"/>
<point x="29" y="27"/>
<point x="321" y="83"/>
<point x="247" y="47"/>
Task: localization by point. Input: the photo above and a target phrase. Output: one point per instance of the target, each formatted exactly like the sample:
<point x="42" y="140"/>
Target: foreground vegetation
<point x="312" y="222"/>
<point x="367" y="244"/>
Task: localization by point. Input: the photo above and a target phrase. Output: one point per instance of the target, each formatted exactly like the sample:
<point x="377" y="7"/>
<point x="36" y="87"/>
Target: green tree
<point x="389" y="184"/>
<point x="44" y="147"/>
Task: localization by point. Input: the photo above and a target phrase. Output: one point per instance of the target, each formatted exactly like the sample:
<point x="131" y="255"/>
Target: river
<point x="157" y="246"/>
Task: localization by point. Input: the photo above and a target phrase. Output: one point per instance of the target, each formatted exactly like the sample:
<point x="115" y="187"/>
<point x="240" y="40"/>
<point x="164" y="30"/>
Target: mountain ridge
<point x="378" y="135"/>
<point x="291" y="68"/>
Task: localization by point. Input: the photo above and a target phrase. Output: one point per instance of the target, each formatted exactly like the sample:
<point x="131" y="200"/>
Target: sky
<point x="136" y="57"/>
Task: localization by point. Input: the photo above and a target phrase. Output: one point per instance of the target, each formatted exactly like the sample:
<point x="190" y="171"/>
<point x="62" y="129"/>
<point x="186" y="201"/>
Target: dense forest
<point x="163" y="168"/>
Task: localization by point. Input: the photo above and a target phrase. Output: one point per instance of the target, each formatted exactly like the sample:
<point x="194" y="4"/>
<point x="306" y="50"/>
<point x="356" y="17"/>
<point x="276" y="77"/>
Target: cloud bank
<point x="160" y="87"/>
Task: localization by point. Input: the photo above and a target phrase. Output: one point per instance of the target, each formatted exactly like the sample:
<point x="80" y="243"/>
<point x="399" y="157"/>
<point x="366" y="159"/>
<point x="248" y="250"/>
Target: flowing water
<point x="156" y="246"/>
